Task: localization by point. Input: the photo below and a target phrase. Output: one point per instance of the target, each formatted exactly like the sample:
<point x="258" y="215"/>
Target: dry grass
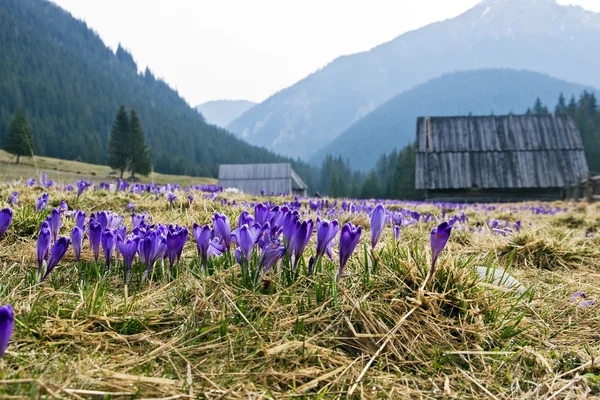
<point x="378" y="335"/>
<point x="71" y="171"/>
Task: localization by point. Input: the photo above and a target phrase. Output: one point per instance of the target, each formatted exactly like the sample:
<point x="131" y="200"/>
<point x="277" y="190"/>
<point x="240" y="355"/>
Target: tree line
<point x="394" y="174"/>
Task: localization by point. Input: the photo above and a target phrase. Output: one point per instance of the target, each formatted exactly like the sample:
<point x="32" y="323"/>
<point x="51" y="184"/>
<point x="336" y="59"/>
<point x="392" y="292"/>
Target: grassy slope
<point x="71" y="171"/>
<point x="210" y="337"/>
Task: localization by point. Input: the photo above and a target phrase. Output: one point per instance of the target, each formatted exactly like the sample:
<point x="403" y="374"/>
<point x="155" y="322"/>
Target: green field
<point x="71" y="171"/>
<point x="376" y="334"/>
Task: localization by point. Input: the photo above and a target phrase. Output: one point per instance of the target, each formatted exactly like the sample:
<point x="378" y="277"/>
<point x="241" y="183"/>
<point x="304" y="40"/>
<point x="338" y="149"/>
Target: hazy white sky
<point x="249" y="49"/>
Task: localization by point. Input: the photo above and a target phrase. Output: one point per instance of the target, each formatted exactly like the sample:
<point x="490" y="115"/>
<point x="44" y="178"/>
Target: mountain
<point x="71" y="86"/>
<point x="537" y="35"/>
<point x="480" y="92"/>
<point x="222" y="112"/>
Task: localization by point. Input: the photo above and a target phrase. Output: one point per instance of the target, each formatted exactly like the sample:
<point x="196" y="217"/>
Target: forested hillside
<point x="71" y="85"/>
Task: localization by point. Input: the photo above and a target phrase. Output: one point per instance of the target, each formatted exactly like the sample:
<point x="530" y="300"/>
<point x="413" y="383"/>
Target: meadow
<point x="245" y="323"/>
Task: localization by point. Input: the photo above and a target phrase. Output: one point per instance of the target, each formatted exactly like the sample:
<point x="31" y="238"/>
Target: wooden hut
<point x="262" y="178"/>
<point x="498" y="158"/>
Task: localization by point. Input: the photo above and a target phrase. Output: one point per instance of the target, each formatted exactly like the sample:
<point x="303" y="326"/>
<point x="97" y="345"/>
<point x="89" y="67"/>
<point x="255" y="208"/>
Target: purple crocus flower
<point x="6" y="216"/>
<point x="109" y="241"/>
<point x="153" y="248"/>
<point x="81" y="186"/>
<point x="190" y="199"/>
<point x="171" y="198"/>
<point x="349" y="238"/>
<point x="222" y="229"/>
<point x="77" y="240"/>
<point x="301" y="238"/>
<point x="202" y="236"/>
<point x="272" y="253"/>
<point x="63" y="206"/>
<point x="377" y="224"/>
<point x="95" y="236"/>
<point x="130" y="206"/>
<point x="7" y="321"/>
<point x="55" y="223"/>
<point x="56" y="254"/>
<point x="176" y="238"/>
<point x="246" y="238"/>
<point x="397" y="232"/>
<point x="261" y="213"/>
<point x="325" y="234"/>
<point x="41" y="202"/>
<point x="438" y="240"/>
<point x="245" y="218"/>
<point x="43" y="245"/>
<point x="128" y="247"/>
<point x="579" y="298"/>
<point x="80" y="220"/>
<point x="13" y="198"/>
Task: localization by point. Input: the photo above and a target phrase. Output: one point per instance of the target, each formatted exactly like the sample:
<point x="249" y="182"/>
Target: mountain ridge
<point x="534" y="35"/>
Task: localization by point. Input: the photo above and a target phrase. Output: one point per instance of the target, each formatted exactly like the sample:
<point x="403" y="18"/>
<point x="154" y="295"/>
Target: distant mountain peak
<point x="536" y="35"/>
<point x="222" y="112"/>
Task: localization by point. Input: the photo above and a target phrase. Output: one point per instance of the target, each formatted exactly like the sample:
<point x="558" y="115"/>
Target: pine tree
<point x="370" y="189"/>
<point x="118" y="145"/>
<point x="18" y="138"/>
<point x="140" y="160"/>
<point x="561" y="107"/>
<point x="539" y="108"/>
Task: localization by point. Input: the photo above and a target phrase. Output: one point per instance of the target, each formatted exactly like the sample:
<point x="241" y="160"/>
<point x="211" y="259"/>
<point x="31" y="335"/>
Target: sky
<point x="250" y="49"/>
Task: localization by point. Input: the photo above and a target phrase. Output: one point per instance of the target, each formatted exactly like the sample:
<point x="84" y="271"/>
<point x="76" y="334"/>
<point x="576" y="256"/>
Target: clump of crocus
<point x="7" y="322"/>
<point x="130" y="206"/>
<point x="349" y="238"/>
<point x="377" y="224"/>
<point x="56" y="254"/>
<point x="6" y="216"/>
<point x="77" y="240"/>
<point x="43" y="245"/>
<point x="171" y="198"/>
<point x="205" y="245"/>
<point x="579" y="298"/>
<point x="439" y="238"/>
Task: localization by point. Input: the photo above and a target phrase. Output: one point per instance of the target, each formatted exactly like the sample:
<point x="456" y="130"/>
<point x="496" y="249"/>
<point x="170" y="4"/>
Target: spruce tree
<point x="118" y="145"/>
<point x="539" y="108"/>
<point x="561" y="107"/>
<point x="18" y="138"/>
<point x="140" y="160"/>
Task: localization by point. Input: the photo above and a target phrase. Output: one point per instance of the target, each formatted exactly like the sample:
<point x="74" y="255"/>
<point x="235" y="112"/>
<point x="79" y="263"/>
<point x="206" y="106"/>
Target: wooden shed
<point x="262" y="178"/>
<point x="498" y="158"/>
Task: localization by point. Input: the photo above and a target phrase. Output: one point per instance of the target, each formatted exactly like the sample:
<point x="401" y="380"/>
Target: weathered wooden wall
<point x="253" y="178"/>
<point x="498" y="152"/>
